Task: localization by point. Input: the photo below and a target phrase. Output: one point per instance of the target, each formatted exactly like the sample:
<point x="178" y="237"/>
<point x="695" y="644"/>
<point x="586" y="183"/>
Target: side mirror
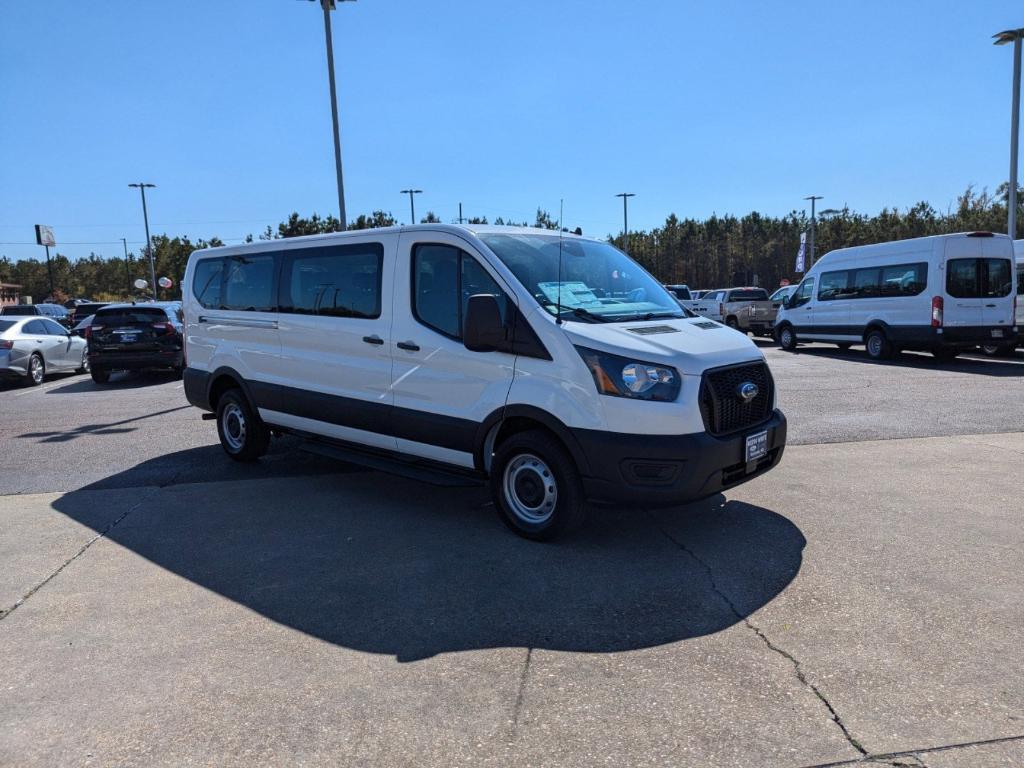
<point x="785" y="302"/>
<point x="482" y="329"/>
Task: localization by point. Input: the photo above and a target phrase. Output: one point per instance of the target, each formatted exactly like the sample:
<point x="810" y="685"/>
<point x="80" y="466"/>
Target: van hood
<point x="690" y="344"/>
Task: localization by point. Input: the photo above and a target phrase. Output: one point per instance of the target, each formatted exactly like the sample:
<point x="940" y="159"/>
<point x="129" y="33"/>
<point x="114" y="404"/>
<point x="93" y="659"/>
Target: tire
<point x="243" y="435"/>
<point x="878" y="347"/>
<point x="36" y="370"/>
<point x="536" y="486"/>
<point x="787" y="338"/>
<point x="944" y="354"/>
<point x="844" y="345"/>
<point x="99" y="375"/>
<point x="732" y="323"/>
<point x="84" y="367"/>
<point x="998" y="350"/>
<point x="178" y="371"/>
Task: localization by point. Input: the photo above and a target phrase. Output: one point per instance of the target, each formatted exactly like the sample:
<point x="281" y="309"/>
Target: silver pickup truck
<point x="746" y="309"/>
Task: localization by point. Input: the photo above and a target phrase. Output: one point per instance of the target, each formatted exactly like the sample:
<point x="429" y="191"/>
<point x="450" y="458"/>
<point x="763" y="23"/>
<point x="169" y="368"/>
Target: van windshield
<point x="591" y="282"/>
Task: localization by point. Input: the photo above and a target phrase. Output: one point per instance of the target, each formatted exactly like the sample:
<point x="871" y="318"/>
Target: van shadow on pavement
<point x="982" y="366"/>
<point x="391" y="566"/>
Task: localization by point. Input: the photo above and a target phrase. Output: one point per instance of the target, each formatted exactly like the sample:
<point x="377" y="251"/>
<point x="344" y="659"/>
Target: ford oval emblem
<point x="747" y="391"/>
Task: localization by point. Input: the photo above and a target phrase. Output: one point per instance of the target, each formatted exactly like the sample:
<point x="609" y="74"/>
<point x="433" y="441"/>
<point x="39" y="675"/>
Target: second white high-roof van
<point x="549" y="365"/>
<point x="942" y="294"/>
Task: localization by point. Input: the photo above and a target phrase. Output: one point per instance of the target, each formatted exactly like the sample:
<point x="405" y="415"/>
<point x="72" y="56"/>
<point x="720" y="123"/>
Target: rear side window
<point x="336" y="281"/>
<point x="978" y="278"/>
<point x="36" y="328"/>
<point x="20" y="309"/>
<point x="6" y="325"/>
<point x="444" y="277"/>
<point x="207" y="282"/>
<point x="249" y="283"/>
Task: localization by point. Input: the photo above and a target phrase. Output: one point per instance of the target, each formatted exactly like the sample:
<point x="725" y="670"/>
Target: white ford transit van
<point x="551" y="366"/>
<point x="942" y="294"/>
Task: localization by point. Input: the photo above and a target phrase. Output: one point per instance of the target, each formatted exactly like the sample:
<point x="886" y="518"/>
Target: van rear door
<point x="963" y="302"/>
<point x="997" y="281"/>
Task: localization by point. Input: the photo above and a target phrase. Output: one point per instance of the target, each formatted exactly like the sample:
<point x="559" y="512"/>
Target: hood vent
<point x="706" y="325"/>
<point x="648" y="330"/>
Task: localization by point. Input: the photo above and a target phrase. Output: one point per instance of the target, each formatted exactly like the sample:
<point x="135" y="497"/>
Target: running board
<point x="428" y="473"/>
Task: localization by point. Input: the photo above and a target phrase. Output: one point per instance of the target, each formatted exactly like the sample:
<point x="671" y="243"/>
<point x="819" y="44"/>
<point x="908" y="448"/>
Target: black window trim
<point x="290" y="254"/>
<point x="881" y="269"/>
<point x="413" y="247"/>
<point x="980" y="276"/>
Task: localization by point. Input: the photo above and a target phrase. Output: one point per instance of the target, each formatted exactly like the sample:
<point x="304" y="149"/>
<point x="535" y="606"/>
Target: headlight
<point x="625" y="377"/>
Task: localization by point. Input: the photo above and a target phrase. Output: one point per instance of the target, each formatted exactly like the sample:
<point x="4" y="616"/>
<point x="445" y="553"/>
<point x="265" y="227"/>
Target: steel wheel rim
<point x="233" y="427"/>
<point x="35" y="369"/>
<point x="990" y="349"/>
<point x="787" y="337"/>
<point x="875" y="345"/>
<point x="530" y="489"/>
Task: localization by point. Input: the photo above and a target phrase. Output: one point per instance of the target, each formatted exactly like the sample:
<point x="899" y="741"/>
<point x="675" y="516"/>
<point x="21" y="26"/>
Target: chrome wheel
<point x="85" y="360"/>
<point x="530" y="489"/>
<point x="233" y="428"/>
<point x="35" y="369"/>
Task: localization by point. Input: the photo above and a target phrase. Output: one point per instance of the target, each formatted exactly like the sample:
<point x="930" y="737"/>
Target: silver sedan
<point x="32" y="347"/>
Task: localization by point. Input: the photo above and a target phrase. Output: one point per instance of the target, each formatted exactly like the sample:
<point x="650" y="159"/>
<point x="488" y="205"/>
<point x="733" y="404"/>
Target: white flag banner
<point x="802" y="253"/>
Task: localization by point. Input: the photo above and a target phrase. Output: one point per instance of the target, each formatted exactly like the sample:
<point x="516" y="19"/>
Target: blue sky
<point x="705" y="107"/>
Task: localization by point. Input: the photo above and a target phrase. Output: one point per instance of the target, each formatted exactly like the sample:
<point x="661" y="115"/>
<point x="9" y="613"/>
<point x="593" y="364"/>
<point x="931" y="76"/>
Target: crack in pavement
<point x="5" y="612"/>
<point x="891" y="758"/>
<point x="798" y="669"/>
<point x="518" y="706"/>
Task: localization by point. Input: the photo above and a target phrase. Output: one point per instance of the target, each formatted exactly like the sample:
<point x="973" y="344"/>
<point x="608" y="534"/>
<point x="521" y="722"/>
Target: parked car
<point x="52" y="311"/>
<point x="748" y="310"/>
<point x="32" y="347"/>
<point x="942" y="294"/>
<point x="132" y="337"/>
<point x="549" y="365"/>
<point x="782" y="294"/>
<point x="82" y="326"/>
<point x="84" y="310"/>
<point x="1007" y="349"/>
<point x="681" y="292"/>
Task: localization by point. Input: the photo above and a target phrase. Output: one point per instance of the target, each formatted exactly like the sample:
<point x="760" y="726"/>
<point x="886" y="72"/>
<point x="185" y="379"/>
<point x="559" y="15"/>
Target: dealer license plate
<point x="757" y="446"/>
<point x="997" y="333"/>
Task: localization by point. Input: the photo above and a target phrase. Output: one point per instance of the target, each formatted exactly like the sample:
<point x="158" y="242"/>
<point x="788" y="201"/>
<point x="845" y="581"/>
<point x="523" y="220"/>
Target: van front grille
<point x="721" y="406"/>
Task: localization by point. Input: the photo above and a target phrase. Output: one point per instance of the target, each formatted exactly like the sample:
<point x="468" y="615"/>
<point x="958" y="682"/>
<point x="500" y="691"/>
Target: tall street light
<point x="810" y="249"/>
<point x="625" y="217"/>
<point x="328" y="6"/>
<point x="142" y="186"/>
<point x="412" y="205"/>
<point x="1003" y="38"/>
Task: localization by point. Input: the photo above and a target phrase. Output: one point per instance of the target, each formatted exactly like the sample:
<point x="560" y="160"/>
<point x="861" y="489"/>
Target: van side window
<point x="866" y="283"/>
<point x="904" y="279"/>
<point x="444" y="277"/>
<point x="206" y="282"/>
<point x="337" y="281"/>
<point x="249" y="283"/>
<point x="832" y="285"/>
<point x="803" y="293"/>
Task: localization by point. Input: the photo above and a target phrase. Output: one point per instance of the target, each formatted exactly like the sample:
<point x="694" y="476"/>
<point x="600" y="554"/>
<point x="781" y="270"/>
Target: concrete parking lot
<point x="861" y="604"/>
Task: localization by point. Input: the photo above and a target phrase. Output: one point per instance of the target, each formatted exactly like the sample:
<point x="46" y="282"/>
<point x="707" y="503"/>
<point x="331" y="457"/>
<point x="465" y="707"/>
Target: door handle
<point x="408" y="345"/>
<point x="373" y="339"/>
<point x="990" y="306"/>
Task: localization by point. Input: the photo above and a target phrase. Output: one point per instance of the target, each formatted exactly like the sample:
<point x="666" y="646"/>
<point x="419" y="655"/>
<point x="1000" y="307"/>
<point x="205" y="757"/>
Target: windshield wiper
<point x="581" y="313"/>
<point x="653" y="315"/>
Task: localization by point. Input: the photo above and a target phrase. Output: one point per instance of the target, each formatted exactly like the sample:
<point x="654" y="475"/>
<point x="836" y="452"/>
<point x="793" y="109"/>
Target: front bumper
<point x="134" y="361"/>
<point x="667" y="470"/>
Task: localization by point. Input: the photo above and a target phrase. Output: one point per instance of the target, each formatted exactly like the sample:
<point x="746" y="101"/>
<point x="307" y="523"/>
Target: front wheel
<point x="787" y="338"/>
<point x="243" y="435"/>
<point x="36" y="370"/>
<point x="84" y="367"/>
<point x="536" y="486"/>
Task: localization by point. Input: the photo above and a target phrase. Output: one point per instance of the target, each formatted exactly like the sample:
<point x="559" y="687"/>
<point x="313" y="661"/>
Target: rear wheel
<point x="787" y="338"/>
<point x="998" y="350"/>
<point x="733" y="323"/>
<point x="243" y="435"/>
<point x="536" y="486"/>
<point x="878" y="347"/>
<point x="99" y="375"/>
<point x="36" y="370"/>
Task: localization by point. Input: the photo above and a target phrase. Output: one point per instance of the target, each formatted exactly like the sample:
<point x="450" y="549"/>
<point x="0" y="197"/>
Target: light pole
<point x="127" y="267"/>
<point x="810" y="250"/>
<point x="149" y="246"/>
<point x="625" y="218"/>
<point x="1013" y="36"/>
<point x="412" y="205"/>
<point x="328" y="6"/>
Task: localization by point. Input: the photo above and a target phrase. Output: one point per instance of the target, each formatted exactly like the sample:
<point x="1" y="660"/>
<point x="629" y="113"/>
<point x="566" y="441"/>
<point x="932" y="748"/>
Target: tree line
<point x="715" y="252"/>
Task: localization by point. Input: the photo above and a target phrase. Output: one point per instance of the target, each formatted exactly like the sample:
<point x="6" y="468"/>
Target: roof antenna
<point x="561" y="211"/>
